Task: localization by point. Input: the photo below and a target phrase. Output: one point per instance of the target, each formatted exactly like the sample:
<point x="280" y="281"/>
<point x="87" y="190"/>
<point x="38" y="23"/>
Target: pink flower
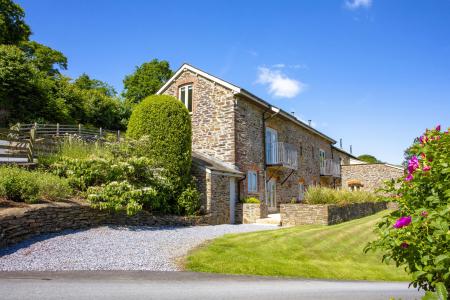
<point x="424" y="214"/>
<point x="422" y="139"/>
<point x="409" y="177"/>
<point x="413" y="164"/>
<point x="438" y="128"/>
<point x="404" y="245"/>
<point x="422" y="155"/>
<point x="402" y="222"/>
<point x="426" y="168"/>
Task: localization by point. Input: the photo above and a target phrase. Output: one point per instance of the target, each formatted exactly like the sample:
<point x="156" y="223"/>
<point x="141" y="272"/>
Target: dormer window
<point x="185" y="96"/>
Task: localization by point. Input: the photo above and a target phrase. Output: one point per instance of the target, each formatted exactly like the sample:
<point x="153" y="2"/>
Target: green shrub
<point x="118" y="196"/>
<point x="189" y="201"/>
<point x="252" y="200"/>
<point x="167" y="124"/>
<point x="324" y="195"/>
<point x="18" y="184"/>
<point x="417" y="235"/>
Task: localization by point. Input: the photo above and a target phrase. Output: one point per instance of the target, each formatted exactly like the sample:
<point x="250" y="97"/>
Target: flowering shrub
<point x="417" y="235"/>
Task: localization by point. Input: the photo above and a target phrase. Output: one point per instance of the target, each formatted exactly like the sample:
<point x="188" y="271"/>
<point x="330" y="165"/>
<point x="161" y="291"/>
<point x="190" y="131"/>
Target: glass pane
<point x="189" y="100"/>
<point x="182" y="94"/>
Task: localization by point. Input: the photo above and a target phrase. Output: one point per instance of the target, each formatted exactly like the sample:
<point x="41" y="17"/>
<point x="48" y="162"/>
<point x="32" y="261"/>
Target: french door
<point x="271" y="193"/>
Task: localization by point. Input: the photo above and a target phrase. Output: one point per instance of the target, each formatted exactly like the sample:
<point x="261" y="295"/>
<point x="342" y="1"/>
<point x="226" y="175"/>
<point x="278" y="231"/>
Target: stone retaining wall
<point x="18" y="224"/>
<point x="248" y="213"/>
<point x="326" y="214"/>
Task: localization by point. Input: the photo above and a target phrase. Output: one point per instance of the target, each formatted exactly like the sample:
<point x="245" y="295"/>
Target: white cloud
<point x="279" y="84"/>
<point x="355" y="4"/>
<point x="280" y="66"/>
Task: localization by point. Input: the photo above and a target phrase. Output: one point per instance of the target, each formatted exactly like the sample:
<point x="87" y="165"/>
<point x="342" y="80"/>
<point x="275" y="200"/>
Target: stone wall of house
<point x="18" y="224"/>
<point x="304" y="214"/>
<point x="371" y="176"/>
<point x="250" y="151"/>
<point x="220" y="195"/>
<point x="212" y="116"/>
<point x="248" y="213"/>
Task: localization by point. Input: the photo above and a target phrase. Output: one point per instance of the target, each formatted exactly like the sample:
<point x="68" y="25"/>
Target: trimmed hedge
<point x="167" y="124"/>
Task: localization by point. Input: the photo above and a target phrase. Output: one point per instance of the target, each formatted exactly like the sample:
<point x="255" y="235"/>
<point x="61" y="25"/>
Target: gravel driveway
<point x="113" y="248"/>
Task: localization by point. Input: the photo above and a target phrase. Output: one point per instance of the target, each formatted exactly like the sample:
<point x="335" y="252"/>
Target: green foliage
<point x="146" y="80"/>
<point x="324" y="195"/>
<point x="251" y="200"/>
<point x="417" y="236"/>
<point x="84" y="82"/>
<point x="189" y="201"/>
<point x="167" y="124"/>
<point x="368" y="158"/>
<point x="117" y="196"/>
<point x="44" y="58"/>
<point x="21" y="185"/>
<point x="13" y="28"/>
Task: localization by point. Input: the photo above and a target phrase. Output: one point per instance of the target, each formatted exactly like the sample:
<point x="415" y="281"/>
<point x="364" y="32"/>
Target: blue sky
<point x="375" y="73"/>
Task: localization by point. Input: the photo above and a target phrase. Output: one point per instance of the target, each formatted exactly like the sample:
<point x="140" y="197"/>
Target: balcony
<point x="330" y="167"/>
<point x="281" y="154"/>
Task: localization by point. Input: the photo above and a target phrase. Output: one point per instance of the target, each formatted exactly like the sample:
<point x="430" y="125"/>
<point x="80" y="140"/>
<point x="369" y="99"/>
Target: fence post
<point x="118" y="136"/>
<point x="101" y="132"/>
<point x="57" y="129"/>
<point x="30" y="154"/>
<point x="79" y="129"/>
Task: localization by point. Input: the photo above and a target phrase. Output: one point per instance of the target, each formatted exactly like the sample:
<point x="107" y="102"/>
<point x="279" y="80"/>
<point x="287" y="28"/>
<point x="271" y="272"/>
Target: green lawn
<point x="313" y="251"/>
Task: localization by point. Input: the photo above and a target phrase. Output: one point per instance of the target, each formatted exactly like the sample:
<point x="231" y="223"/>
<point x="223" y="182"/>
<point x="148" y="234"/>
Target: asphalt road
<point x="185" y="285"/>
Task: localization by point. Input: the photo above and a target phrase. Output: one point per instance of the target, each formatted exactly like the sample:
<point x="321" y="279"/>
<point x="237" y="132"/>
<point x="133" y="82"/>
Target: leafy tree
<point x="20" y="97"/>
<point x="417" y="236"/>
<point x="368" y="158"/>
<point x="13" y="28"/>
<point x="146" y="80"/>
<point x="86" y="83"/>
<point x="44" y="58"/>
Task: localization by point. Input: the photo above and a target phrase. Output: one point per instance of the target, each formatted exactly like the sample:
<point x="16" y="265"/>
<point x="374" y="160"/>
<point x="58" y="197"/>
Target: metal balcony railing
<point x="329" y="167"/>
<point x="282" y="154"/>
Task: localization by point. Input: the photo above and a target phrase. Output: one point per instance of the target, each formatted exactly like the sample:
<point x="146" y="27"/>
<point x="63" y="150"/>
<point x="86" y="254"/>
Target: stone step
<point x="273" y="219"/>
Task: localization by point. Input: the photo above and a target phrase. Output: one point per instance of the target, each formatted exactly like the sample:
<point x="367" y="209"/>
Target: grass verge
<point x="313" y="251"/>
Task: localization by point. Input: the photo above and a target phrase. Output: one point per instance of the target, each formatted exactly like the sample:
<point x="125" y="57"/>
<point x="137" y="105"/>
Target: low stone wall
<point x="18" y="224"/>
<point x="326" y="214"/>
<point x="248" y="213"/>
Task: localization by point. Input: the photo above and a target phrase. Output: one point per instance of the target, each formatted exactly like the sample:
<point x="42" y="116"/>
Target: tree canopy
<point x="13" y="28"/>
<point x="146" y="80"/>
<point x="368" y="159"/>
<point x="33" y="89"/>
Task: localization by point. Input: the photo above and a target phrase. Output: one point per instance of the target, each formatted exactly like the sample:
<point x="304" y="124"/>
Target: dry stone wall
<point x="18" y="224"/>
<point x="248" y="213"/>
<point x="371" y="176"/>
<point x="305" y="214"/>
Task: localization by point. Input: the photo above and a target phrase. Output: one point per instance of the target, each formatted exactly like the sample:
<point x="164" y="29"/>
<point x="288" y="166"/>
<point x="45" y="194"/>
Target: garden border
<point x="18" y="224"/>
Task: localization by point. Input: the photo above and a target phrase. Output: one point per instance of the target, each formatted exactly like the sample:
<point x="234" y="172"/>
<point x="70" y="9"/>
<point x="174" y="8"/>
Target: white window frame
<point x="186" y="88"/>
<point x="252" y="181"/>
<point x="301" y="191"/>
<point x="322" y="158"/>
<point x="271" y="145"/>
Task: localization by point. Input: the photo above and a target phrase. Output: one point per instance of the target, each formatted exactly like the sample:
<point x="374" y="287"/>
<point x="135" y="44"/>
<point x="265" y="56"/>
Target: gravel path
<point x="113" y="248"/>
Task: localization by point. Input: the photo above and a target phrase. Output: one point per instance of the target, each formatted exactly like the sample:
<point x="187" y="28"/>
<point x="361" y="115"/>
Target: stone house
<point x="245" y="147"/>
<point x="368" y="177"/>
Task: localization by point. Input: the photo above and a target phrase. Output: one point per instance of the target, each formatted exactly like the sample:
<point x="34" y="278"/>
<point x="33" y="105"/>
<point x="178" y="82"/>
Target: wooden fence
<point x="22" y="143"/>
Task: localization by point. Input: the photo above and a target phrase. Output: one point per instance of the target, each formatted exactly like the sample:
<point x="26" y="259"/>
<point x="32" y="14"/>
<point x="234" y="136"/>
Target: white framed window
<point x="185" y="96"/>
<point x="271" y="146"/>
<point x="301" y="191"/>
<point x="322" y="158"/>
<point x="252" y="181"/>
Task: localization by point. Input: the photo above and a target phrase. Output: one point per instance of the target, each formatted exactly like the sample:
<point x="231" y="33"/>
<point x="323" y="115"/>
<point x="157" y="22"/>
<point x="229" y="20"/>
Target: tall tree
<point x="368" y="159"/>
<point x="146" y="80"/>
<point x="45" y="59"/>
<point x="87" y="83"/>
<point x="13" y="28"/>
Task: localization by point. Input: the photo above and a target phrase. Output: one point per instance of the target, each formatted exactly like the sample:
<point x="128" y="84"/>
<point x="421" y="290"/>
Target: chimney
<point x="309" y="123"/>
<point x="340" y="143"/>
<point x="293" y="113"/>
<point x="351" y="150"/>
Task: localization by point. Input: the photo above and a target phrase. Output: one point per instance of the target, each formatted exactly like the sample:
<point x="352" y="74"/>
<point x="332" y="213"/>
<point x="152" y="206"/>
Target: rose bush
<point x="417" y="236"/>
